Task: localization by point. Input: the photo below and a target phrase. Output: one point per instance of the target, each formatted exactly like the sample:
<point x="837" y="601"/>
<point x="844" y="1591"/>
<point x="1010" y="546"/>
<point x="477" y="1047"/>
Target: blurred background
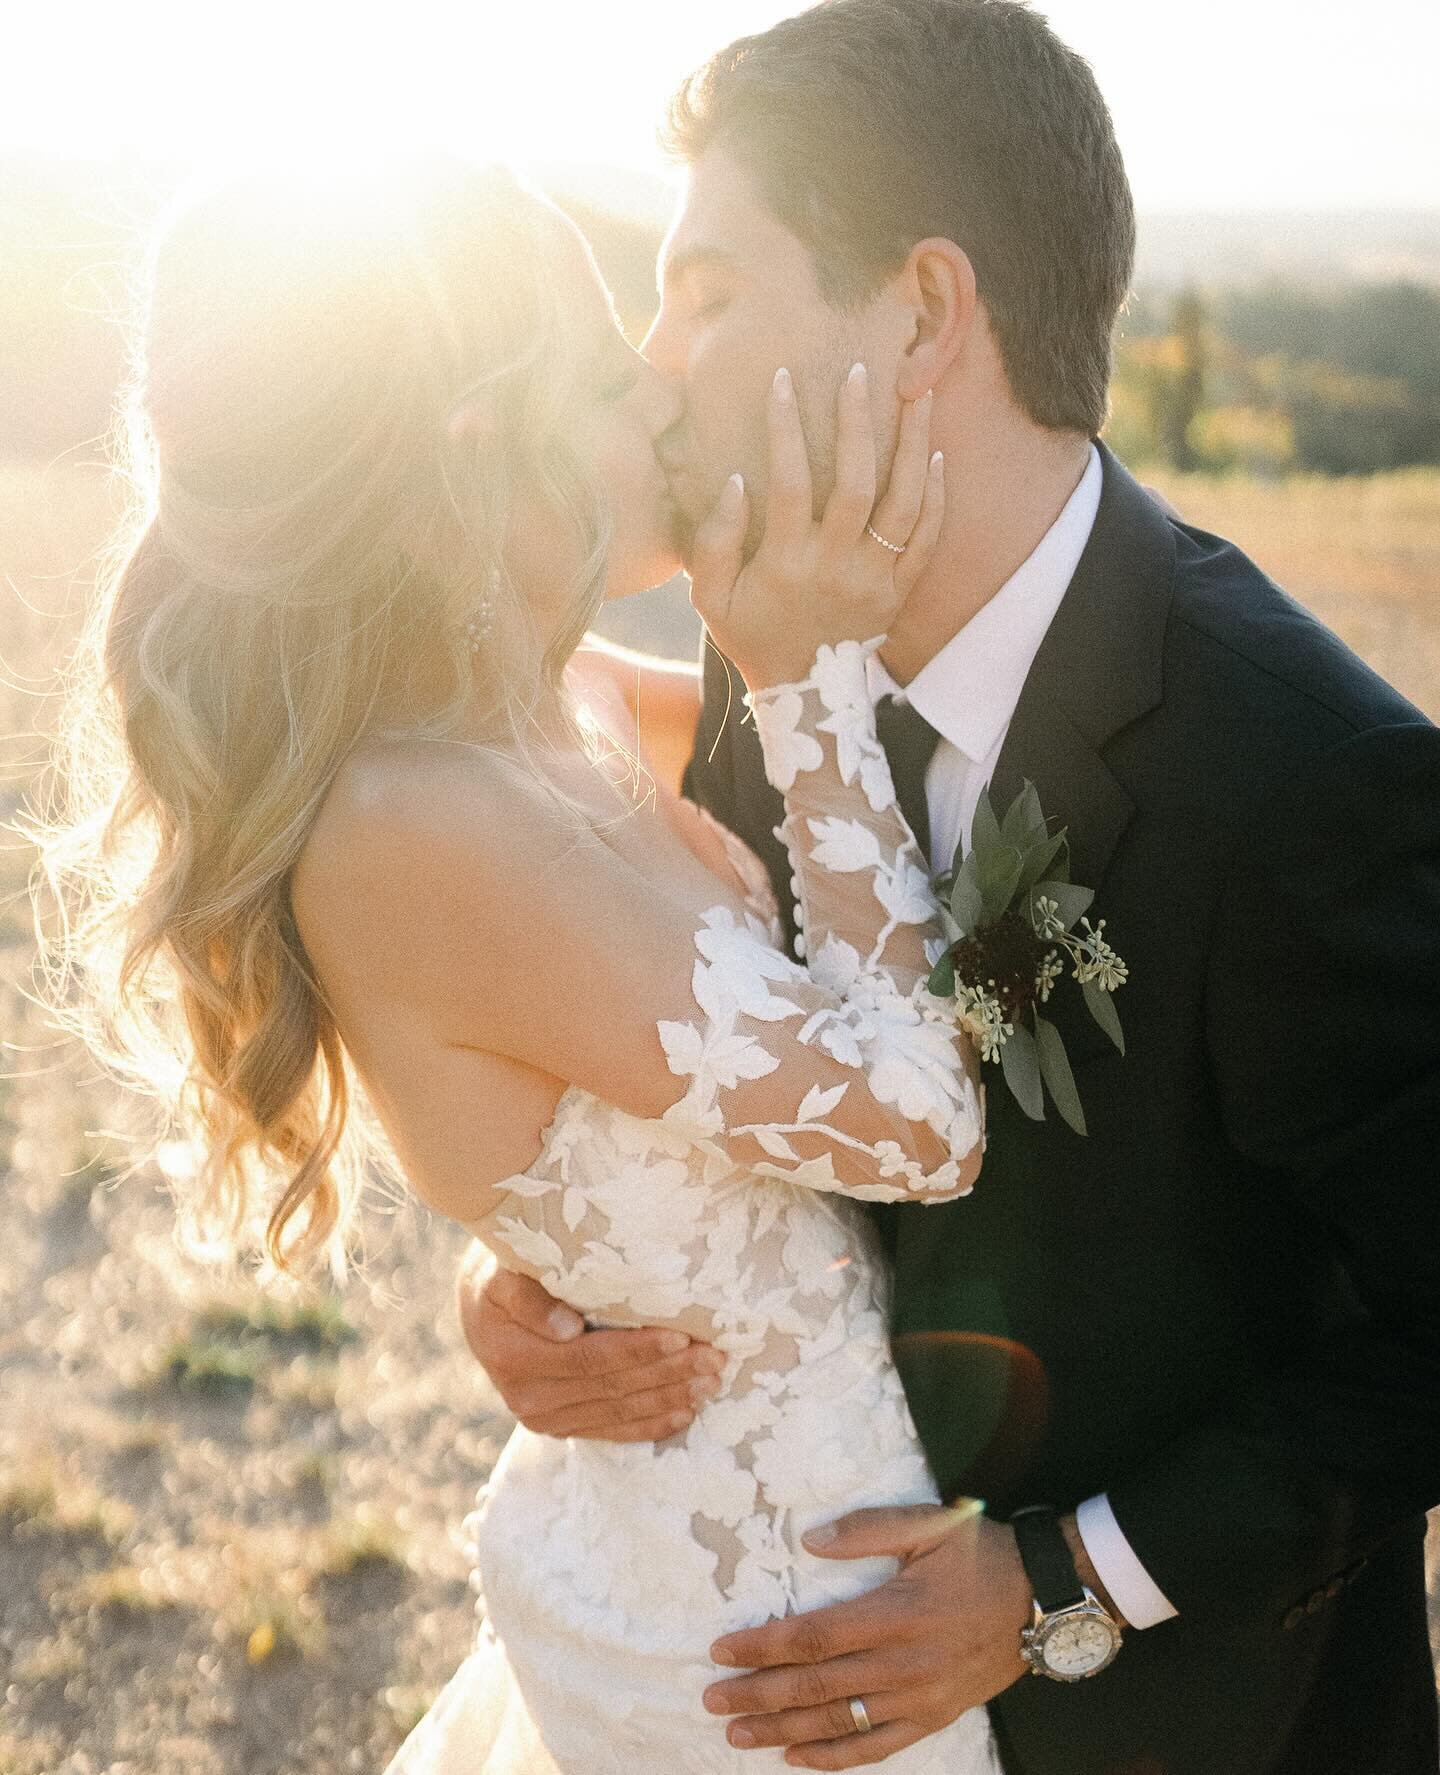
<point x="230" y="1526"/>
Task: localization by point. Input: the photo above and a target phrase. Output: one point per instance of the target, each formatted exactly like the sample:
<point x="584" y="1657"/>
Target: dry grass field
<point x="230" y="1529"/>
<point x="1363" y="553"/>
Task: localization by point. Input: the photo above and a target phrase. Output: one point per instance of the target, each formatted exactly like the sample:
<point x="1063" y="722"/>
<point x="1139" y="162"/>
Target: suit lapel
<point x="1045" y="747"/>
<point x="1097" y="671"/>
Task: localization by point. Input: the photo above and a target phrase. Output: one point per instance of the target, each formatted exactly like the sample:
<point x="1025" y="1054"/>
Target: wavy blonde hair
<point x="308" y="542"/>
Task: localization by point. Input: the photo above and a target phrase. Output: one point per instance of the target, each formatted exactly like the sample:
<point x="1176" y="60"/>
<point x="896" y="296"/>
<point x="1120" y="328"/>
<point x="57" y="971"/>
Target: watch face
<point x="1078" y="1645"/>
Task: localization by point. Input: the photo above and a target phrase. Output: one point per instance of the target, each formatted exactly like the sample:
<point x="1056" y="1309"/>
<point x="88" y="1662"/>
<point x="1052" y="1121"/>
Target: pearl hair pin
<point x="482" y="621"/>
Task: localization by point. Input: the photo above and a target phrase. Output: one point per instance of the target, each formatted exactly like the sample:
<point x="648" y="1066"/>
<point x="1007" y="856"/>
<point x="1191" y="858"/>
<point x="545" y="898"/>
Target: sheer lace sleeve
<point x="885" y="1105"/>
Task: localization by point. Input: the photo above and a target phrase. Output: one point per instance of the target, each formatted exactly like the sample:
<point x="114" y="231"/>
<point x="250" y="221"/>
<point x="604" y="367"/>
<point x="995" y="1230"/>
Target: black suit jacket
<point x="1223" y="1307"/>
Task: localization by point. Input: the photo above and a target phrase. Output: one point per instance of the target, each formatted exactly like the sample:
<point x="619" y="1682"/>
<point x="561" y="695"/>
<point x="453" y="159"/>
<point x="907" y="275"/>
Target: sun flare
<point x="584" y="84"/>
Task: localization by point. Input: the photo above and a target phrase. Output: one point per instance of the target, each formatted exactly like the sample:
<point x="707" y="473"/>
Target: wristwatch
<point x="1073" y="1635"/>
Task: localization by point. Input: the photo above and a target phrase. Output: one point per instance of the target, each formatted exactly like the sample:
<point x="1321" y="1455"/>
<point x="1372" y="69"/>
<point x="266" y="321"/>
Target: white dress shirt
<point x="968" y="693"/>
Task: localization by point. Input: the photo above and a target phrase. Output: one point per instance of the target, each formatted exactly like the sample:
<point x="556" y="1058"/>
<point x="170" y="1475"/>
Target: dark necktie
<point x="909" y="741"/>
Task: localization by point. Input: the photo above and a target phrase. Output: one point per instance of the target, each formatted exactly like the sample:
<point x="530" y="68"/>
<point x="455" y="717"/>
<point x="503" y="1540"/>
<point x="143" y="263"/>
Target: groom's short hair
<point x="871" y="124"/>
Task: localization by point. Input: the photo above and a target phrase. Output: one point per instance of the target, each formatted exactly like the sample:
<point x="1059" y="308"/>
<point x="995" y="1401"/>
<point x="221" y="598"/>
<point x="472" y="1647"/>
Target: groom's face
<point x="739" y="298"/>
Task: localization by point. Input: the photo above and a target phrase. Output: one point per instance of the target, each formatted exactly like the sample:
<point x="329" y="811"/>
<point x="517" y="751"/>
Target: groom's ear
<point x="936" y="291"/>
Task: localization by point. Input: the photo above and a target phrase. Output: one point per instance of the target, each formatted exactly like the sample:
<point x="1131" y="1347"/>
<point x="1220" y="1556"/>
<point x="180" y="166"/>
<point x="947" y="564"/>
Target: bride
<point x="350" y="842"/>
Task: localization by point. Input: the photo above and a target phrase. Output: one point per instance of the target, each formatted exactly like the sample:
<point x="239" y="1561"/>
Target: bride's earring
<point x="482" y="623"/>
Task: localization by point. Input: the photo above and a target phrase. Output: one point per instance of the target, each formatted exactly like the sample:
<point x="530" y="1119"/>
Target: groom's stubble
<point x="819" y="366"/>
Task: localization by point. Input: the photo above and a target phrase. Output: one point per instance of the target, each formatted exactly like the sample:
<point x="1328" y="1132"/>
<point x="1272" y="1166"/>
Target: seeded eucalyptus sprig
<point x="1011" y="912"/>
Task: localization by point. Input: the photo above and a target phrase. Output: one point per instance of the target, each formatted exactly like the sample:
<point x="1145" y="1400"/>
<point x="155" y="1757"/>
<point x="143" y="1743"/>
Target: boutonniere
<point x="1015" y="922"/>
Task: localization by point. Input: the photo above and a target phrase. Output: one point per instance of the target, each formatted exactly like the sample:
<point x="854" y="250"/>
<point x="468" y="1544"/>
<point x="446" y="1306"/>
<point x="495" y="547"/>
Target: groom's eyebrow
<point x="677" y="264"/>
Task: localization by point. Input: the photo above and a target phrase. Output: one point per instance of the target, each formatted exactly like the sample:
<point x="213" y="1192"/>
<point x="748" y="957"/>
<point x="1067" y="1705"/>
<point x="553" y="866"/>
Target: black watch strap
<point x="1046" y="1558"/>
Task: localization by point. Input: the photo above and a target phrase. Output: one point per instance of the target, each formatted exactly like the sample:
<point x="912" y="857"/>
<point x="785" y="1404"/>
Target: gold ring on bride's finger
<point x="895" y="548"/>
<point x="857" y="1709"/>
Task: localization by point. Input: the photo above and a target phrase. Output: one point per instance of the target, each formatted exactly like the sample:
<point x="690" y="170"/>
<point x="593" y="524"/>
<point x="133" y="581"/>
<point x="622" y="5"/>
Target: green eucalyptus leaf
<point x="1073" y="901"/>
<point x="1024" y="820"/>
<point x="1055" y="1070"/>
<point x="998" y="872"/>
<point x="942" y="977"/>
<point x="1039" y="859"/>
<point x="1101" y="1006"/>
<point x="984" y="828"/>
<point x="957" y="862"/>
<point x="967" y="903"/>
<point x="1020" y="1062"/>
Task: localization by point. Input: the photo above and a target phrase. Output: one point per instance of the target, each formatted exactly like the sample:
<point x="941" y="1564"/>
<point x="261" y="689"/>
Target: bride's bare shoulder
<point x="425" y="822"/>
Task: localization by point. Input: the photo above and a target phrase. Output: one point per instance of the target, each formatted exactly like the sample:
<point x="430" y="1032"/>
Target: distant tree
<point x="1186" y="394"/>
<point x="1128" y="429"/>
<point x="1249" y="440"/>
<point x="1159" y="388"/>
<point x="1378" y="329"/>
<point x="1356" y="425"/>
<point x="1355" y="369"/>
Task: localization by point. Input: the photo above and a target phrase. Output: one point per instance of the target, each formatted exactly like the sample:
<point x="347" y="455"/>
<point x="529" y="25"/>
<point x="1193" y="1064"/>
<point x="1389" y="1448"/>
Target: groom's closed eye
<point x="696" y="273"/>
<point x="702" y="295"/>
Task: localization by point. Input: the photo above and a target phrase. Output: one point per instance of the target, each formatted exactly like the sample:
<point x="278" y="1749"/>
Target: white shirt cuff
<point x="1133" y="1591"/>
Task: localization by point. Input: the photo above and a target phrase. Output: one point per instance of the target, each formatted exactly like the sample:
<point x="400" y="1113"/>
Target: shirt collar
<point x="968" y="691"/>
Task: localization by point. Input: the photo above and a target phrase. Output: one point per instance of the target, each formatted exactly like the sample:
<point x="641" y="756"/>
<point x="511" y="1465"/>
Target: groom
<point x="1207" y="1335"/>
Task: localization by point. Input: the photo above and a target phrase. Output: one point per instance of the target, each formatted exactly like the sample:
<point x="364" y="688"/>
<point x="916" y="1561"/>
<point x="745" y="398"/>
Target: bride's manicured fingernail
<point x="858" y="376"/>
<point x="733" y="492"/>
<point x="784" y="387"/>
<point x="937" y="462"/>
<point x="824" y="1536"/>
<point x="742" y="1737"/>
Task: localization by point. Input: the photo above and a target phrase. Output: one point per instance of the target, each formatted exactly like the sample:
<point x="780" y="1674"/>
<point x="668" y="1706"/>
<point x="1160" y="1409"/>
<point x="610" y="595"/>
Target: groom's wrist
<point x="1085" y="1566"/>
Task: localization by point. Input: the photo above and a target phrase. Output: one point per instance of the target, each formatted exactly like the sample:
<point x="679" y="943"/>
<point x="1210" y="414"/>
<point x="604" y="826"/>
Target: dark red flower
<point x="1008" y="953"/>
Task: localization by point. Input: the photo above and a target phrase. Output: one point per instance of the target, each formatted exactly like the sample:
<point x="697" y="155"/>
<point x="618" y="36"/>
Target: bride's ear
<point x="937" y="290"/>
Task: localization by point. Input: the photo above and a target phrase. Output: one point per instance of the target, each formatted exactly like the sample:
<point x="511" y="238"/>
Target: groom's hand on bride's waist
<point x="941" y="1637"/>
<point x="559" y="1379"/>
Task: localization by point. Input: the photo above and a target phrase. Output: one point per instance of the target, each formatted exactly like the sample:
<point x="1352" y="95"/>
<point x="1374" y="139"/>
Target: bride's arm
<point x="869" y="930"/>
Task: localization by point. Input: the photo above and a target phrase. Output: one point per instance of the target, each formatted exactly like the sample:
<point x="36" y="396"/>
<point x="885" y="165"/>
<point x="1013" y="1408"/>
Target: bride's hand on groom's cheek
<point x="841" y="577"/>
<point x="941" y="1637"/>
<point x="559" y="1380"/>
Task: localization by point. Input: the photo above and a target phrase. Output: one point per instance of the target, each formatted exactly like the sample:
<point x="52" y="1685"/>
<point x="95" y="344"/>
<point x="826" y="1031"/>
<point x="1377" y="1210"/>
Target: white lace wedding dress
<point x="606" y="1569"/>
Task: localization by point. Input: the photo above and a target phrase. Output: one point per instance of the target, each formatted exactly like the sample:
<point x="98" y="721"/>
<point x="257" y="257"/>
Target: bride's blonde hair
<point x="311" y="537"/>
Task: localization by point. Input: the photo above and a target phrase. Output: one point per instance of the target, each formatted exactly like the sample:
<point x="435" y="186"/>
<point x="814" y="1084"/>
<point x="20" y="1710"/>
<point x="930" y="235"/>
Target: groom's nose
<point x="662" y="346"/>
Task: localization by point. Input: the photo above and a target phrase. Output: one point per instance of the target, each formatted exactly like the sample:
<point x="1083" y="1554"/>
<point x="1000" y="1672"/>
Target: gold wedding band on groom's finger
<point x="859" y="1715"/>
<point x="895" y="548"/>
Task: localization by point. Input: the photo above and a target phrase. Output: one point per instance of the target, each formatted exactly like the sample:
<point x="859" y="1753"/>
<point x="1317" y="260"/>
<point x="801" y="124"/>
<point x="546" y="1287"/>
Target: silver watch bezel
<point x="1034" y="1637"/>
